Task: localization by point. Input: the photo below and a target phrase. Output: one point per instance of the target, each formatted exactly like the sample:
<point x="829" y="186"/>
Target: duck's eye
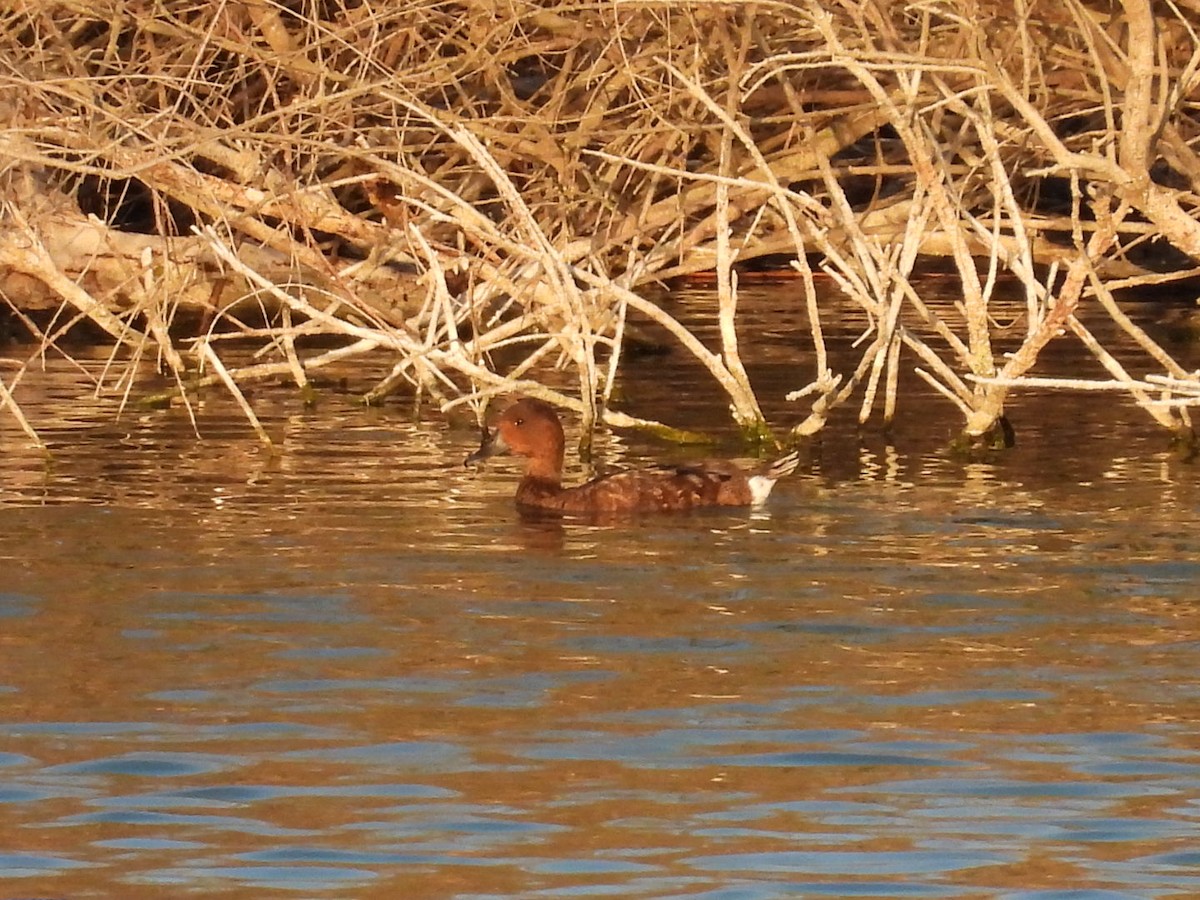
<point x="520" y="422"/>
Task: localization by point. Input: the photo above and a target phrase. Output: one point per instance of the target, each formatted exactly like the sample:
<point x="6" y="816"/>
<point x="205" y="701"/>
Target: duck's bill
<point x="492" y="445"/>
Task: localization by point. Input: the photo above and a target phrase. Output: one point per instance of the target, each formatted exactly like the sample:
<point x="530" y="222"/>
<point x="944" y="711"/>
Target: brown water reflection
<point x="353" y="671"/>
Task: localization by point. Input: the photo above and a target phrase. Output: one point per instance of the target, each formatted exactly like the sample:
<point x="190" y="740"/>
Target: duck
<point x="530" y="427"/>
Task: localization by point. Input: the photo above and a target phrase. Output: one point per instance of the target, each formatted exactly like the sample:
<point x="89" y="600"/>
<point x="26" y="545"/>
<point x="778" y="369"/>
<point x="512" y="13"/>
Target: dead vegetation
<point x="479" y="191"/>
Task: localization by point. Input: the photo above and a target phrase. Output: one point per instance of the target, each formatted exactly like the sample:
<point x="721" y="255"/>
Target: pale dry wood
<point x="7" y="401"/>
<point x="445" y="185"/>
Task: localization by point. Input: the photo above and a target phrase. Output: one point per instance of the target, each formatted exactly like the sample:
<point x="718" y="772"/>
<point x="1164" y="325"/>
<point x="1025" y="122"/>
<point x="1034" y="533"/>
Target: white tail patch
<point x="760" y="485"/>
<point x="760" y="489"/>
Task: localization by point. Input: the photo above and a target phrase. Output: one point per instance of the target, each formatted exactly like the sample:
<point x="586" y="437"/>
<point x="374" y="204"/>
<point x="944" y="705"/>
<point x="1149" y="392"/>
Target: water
<point x="354" y="671"/>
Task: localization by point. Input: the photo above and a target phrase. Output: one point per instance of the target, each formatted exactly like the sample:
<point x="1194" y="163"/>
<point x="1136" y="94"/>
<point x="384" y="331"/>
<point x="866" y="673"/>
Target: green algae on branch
<point x="1185" y="444"/>
<point x="999" y="436"/>
<point x="160" y="399"/>
<point x="757" y="434"/>
<point x="309" y="395"/>
<point x="672" y="435"/>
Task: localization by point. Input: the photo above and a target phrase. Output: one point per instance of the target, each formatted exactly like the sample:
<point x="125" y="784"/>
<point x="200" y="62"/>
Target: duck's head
<point x="528" y="427"/>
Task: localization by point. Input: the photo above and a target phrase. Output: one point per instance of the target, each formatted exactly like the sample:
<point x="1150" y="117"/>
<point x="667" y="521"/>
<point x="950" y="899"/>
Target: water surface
<point x="353" y="671"/>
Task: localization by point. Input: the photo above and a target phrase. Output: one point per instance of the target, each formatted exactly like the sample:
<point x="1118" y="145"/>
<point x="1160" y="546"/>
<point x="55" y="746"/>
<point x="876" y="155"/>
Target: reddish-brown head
<point x="529" y="428"/>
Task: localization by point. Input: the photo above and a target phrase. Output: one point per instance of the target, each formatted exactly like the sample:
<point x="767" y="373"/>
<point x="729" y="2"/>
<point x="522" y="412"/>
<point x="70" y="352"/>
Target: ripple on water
<point x="1080" y="894"/>
<point x="150" y="765"/>
<point x="846" y="862"/>
<point x="166" y="822"/>
<point x="1004" y="788"/>
<point x="290" y="877"/>
<point x="32" y="865"/>
<point x="239" y="795"/>
<point x="837" y="888"/>
<point x="433" y="756"/>
<point x="14" y="606"/>
<point x="165" y="732"/>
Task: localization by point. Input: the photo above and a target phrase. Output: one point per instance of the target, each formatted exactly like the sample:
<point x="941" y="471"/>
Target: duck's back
<point x="716" y="484"/>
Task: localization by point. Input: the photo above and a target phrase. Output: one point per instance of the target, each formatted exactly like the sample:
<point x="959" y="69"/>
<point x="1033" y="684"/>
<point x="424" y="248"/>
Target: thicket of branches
<point x="478" y="190"/>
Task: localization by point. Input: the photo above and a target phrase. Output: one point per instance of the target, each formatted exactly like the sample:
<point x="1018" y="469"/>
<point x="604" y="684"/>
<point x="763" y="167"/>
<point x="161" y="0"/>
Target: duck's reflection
<point x="541" y="530"/>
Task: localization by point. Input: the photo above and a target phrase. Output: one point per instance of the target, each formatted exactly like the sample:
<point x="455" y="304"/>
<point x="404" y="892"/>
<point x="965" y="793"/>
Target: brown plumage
<point x="531" y="428"/>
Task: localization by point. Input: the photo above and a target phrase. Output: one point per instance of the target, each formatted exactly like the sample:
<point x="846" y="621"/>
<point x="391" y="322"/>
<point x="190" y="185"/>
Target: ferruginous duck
<point x="530" y="428"/>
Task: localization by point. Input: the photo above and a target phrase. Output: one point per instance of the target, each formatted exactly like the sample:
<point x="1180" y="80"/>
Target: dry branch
<point x="480" y="193"/>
